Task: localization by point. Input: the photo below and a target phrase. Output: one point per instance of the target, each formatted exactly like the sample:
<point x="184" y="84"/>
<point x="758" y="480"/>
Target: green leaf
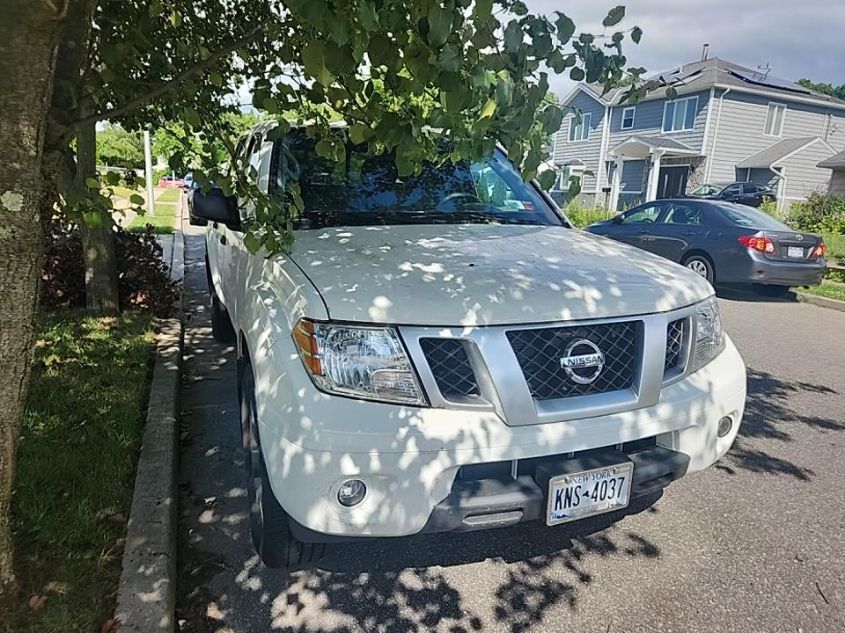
<point x="483" y="9"/>
<point x="216" y="79"/>
<point x="439" y="26"/>
<point x="671" y="92"/>
<point x="488" y="109"/>
<point x="576" y="74"/>
<point x="324" y="148"/>
<point x="358" y="133"/>
<point x="92" y="183"/>
<point x="367" y="15"/>
<point x="381" y="50"/>
<point x="136" y="199"/>
<point x="636" y="34"/>
<point x="504" y="90"/>
<point x="614" y="16"/>
<point x="518" y="7"/>
<point x="314" y="60"/>
<point x="192" y="118"/>
<point x="339" y="29"/>
<point x="546" y="179"/>
<point x="551" y="119"/>
<point x="112" y="177"/>
<point x="513" y="36"/>
<point x="94" y="219"/>
<point x="565" y="28"/>
<point x="451" y="58"/>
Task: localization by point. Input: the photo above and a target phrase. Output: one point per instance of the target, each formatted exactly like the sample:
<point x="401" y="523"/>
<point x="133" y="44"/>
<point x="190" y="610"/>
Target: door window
<point x="647" y="214"/>
<point x="683" y="214"/>
<point x="732" y="190"/>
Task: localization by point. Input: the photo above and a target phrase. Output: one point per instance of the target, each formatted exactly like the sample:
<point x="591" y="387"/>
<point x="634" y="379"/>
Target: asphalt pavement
<point x="754" y="544"/>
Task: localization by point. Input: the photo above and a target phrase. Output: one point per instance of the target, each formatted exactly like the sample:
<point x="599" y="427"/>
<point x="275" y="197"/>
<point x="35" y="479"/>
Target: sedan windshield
<point x="368" y="190"/>
<point x="751" y="218"/>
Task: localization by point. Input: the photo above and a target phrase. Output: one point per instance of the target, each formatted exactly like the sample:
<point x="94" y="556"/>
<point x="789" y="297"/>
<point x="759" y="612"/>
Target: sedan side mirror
<point x="617" y="219"/>
<point x="215" y="206"/>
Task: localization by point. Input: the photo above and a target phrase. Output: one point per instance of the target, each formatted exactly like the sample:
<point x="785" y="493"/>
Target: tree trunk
<point x="28" y="31"/>
<point x="95" y="229"/>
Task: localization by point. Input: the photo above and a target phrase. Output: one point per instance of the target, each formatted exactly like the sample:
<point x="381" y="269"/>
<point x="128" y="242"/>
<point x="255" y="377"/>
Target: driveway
<point x="756" y="543"/>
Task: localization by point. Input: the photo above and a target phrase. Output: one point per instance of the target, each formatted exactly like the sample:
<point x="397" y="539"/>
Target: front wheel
<point x="276" y="545"/>
<point x="700" y="265"/>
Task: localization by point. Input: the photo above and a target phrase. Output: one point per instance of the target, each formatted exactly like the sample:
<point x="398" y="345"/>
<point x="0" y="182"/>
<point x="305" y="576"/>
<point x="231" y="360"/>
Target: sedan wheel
<point x="701" y="266"/>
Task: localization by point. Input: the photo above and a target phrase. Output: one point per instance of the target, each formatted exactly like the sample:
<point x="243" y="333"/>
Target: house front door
<point x="672" y="182"/>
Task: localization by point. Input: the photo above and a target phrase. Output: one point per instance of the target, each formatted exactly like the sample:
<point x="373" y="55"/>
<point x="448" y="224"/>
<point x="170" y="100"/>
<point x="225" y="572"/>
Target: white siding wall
<point x="802" y="175"/>
<point x="587" y="151"/>
<point x="741" y="129"/>
<point x="837" y="182"/>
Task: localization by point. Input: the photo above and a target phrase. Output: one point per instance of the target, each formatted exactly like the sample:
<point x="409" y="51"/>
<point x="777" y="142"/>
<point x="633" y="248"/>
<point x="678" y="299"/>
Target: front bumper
<point x="409" y="458"/>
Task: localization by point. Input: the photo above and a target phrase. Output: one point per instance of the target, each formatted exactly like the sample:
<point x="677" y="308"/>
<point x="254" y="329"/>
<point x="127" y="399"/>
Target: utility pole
<point x="148" y="173"/>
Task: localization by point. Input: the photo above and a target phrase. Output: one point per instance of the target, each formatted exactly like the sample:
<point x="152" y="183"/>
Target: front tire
<point x="276" y="546"/>
<point x="701" y="265"/>
<point x="221" y="324"/>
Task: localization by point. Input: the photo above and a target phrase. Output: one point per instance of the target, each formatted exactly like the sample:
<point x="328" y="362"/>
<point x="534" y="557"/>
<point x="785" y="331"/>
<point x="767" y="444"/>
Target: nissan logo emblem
<point x="582" y="361"/>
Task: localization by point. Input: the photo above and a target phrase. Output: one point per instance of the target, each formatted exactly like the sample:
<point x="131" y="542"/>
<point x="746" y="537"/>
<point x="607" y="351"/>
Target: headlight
<point x="709" y="336"/>
<point x="364" y="362"/>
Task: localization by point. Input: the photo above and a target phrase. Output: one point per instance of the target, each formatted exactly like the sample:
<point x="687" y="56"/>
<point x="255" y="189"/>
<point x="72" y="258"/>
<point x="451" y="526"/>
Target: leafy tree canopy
<point x="824" y="88"/>
<point x="401" y="73"/>
<point x="117" y="147"/>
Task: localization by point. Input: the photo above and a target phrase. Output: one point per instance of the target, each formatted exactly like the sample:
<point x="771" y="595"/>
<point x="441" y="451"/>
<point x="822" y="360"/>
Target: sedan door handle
<point x="223" y="239"/>
<point x="691" y="233"/>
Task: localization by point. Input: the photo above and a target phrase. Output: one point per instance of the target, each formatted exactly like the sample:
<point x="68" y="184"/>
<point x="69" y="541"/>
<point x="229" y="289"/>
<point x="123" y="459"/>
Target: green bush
<point x="583" y="216"/>
<point x="820" y="213"/>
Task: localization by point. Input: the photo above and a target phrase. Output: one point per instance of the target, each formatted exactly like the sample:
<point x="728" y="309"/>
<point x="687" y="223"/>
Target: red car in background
<point x="168" y="182"/>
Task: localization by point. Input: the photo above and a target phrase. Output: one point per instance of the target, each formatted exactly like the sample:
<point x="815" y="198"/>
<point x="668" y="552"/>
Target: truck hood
<point x="486" y="274"/>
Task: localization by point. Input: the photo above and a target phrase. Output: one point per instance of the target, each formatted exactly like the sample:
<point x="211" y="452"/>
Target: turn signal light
<point x="820" y="250"/>
<point x="303" y="336"/>
<point x="762" y="244"/>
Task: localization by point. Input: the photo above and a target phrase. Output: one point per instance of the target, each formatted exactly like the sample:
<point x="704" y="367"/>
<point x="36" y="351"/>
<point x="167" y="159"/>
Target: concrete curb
<point x="146" y="595"/>
<point x="824" y="302"/>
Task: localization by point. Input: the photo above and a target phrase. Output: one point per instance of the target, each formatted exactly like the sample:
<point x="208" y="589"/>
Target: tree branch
<point x="182" y="77"/>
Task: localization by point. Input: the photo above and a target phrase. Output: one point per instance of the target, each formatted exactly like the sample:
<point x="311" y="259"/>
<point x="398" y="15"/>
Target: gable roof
<point x="777" y="152"/>
<point x="655" y="142"/>
<point x="720" y="73"/>
<point x="837" y="161"/>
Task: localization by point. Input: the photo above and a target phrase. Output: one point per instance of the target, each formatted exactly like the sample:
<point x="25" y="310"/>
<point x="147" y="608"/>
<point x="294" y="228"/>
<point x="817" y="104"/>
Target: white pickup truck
<point x="443" y="352"/>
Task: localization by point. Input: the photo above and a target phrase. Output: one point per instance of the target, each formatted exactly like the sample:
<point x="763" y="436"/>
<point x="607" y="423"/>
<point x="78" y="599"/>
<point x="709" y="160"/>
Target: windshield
<point x="751" y="218"/>
<point x="706" y="190"/>
<point x="368" y="190"/>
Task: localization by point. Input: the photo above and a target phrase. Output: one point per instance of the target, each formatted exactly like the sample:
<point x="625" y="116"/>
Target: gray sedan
<point x="724" y="242"/>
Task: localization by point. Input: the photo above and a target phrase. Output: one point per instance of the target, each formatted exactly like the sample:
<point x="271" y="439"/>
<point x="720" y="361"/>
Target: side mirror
<point x="214" y="206"/>
<point x="617" y="219"/>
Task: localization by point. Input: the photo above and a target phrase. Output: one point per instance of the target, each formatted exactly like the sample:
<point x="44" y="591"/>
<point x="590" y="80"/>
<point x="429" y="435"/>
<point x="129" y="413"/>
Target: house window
<point x="567" y="173"/>
<point x="774" y="119"/>
<point x="628" y="118"/>
<point x="679" y="114"/>
<point x="580" y="130"/>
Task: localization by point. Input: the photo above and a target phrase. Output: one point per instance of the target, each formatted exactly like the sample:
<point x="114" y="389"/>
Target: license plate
<point x="578" y="495"/>
<point x="794" y="251"/>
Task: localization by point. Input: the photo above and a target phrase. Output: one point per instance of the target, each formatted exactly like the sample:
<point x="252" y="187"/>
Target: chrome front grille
<point x="539" y="352"/>
<point x="449" y="363"/>
<point x="674" y="344"/>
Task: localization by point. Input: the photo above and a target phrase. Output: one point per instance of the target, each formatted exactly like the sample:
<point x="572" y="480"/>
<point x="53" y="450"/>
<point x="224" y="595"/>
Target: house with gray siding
<point x="726" y="123"/>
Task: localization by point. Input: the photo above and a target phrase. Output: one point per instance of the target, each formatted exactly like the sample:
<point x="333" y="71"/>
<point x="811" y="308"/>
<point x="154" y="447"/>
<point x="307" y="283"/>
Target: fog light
<point x="724" y="426"/>
<point x="351" y="492"/>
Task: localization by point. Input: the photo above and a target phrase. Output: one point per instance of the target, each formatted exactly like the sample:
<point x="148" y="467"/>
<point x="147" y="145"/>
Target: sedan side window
<point x="733" y="190"/>
<point x="648" y="214"/>
<point x="683" y="214"/>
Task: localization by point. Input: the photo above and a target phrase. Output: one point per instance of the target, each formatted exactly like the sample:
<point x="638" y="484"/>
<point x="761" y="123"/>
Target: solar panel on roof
<point x="768" y="80"/>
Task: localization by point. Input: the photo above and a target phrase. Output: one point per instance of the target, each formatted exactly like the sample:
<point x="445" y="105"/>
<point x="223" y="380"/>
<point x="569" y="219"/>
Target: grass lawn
<point x="169" y="195"/>
<point x="829" y="289"/>
<point x="76" y="467"/>
<point x="162" y="222"/>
